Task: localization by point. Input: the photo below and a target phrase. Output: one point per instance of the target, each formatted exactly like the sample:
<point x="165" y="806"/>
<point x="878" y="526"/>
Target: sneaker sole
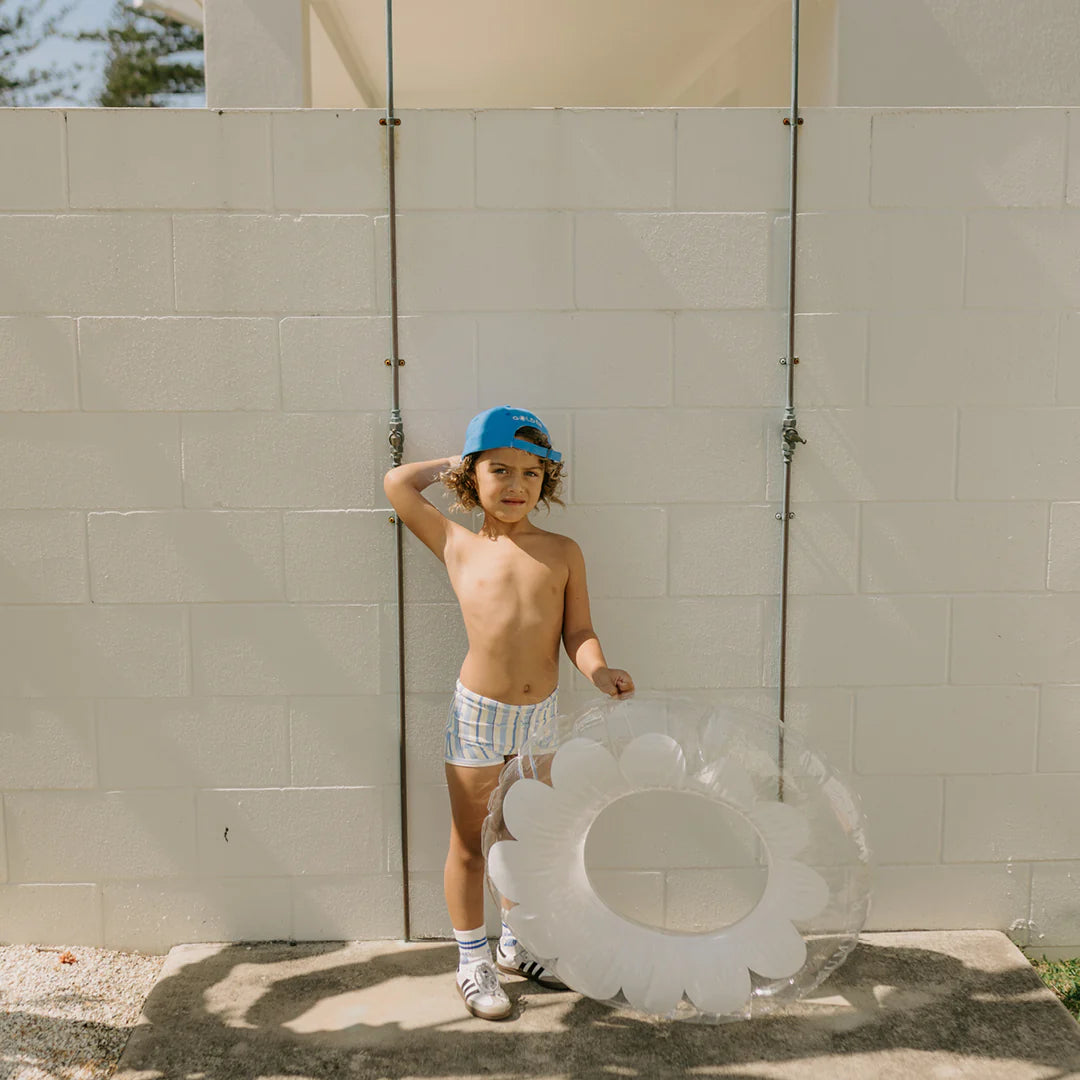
<point x="485" y="1014"/>
<point x="547" y="984"/>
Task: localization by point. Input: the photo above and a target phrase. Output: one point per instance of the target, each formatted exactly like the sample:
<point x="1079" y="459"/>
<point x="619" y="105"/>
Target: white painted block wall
<point x="197" y="569"/>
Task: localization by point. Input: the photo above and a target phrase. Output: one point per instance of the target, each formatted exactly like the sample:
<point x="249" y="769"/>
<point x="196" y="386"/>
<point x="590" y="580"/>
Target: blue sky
<point x="85" y="15"/>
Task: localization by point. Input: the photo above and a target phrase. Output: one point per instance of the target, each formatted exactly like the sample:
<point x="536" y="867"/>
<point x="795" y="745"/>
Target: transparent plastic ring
<point x="807" y="832"/>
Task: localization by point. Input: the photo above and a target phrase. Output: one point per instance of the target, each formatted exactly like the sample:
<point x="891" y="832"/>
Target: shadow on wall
<point x="244" y="1014"/>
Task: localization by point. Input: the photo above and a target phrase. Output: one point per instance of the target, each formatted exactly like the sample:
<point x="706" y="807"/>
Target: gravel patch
<point x="64" y="1020"/>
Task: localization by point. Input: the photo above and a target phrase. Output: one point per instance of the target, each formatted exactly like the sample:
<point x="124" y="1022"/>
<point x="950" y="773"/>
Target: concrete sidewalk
<point x="953" y="1005"/>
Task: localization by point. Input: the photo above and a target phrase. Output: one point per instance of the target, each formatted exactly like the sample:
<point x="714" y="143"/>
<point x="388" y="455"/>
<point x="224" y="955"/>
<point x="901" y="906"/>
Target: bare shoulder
<point x="564" y="548"/>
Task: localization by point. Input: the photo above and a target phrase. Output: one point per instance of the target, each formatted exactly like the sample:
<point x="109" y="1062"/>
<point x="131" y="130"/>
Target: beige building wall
<point x="199" y="741"/>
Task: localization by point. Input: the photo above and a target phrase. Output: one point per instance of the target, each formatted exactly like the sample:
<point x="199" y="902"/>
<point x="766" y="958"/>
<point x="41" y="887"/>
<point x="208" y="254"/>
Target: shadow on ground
<point x="897" y="1008"/>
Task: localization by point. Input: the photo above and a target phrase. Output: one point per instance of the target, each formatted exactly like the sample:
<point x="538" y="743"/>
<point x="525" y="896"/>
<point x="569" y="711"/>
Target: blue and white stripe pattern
<point x="482" y="731"/>
<point x="472" y="946"/>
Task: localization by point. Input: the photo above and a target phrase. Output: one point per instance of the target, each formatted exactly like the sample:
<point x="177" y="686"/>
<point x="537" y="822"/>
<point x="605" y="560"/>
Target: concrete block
<point x="662" y="830"/>
<point x="723" y="550"/>
<point x="1015" y="639"/>
<point x="1022" y="259"/>
<point x="858" y="261"/>
<point x="329" y="160"/>
<point x="183" y="556"/>
<point x="291" y="832"/>
<point x="1068" y="371"/>
<point x="866" y="641"/>
<point x="976" y="897"/>
<point x="576" y="359"/>
<point x="1059" y="733"/>
<point x="285" y="649"/>
<point x="178" y="159"/>
<point x="47" y="744"/>
<point x="193" y="742"/>
<point x="340" y="555"/>
<point x="74" y="460"/>
<point x="248" y="263"/>
<point x="152" y="916"/>
<point x="953" y="547"/>
<point x="1063" y="568"/>
<point x="178" y="364"/>
<point x="343" y="741"/>
<point x="850" y="454"/>
<point x="1019" y="453"/>
<point x="945" y="729"/>
<point x="45" y="914"/>
<point x="969" y="157"/>
<point x="329" y="557"/>
<point x="425" y="578"/>
<point x="822" y="717"/>
<point x="903" y="816"/>
<point x="731" y="159"/>
<point x="962" y="357"/>
<point x="1072" y="186"/>
<point x="728" y="454"/>
<point x="360" y="906"/>
<point x="729" y="358"/>
<point x="75" y="835"/>
<point x="435" y="645"/>
<point x="669" y="644"/>
<point x="625" y="548"/>
<point x="37" y="355"/>
<point x="429" y="827"/>
<point x="638" y="894"/>
<point x="35" y="139"/>
<point x="94" y="651"/>
<point x="340" y="363"/>
<point x="480" y="262"/>
<point x="834" y="158"/>
<point x="671" y="261"/>
<point x="43" y="553"/>
<point x="287" y="460"/>
<point x="1055" y="904"/>
<point x="605" y="159"/>
<point x="428" y="908"/>
<point x="699" y="900"/>
<point x="435" y="163"/>
<point x="425" y="716"/>
<point x="1008" y="818"/>
<point x="732" y="358"/>
<point x="108" y="264"/>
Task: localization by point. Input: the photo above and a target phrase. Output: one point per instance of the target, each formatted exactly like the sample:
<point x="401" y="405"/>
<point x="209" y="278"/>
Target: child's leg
<point x="463" y="877"/>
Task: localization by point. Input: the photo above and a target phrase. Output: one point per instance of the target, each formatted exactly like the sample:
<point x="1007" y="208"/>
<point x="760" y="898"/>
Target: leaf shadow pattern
<point x="890" y="1001"/>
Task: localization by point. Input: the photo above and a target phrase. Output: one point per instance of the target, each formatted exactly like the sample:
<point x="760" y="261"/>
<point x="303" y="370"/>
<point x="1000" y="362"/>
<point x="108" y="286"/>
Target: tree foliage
<point x="139" y="70"/>
<point x="22" y="29"/>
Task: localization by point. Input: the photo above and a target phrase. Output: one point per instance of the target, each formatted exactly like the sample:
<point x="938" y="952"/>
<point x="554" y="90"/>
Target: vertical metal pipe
<point x="397" y="448"/>
<point x="789" y="431"/>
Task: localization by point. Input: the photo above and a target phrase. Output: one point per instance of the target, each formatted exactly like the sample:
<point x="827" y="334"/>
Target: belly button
<point x="527" y="688"/>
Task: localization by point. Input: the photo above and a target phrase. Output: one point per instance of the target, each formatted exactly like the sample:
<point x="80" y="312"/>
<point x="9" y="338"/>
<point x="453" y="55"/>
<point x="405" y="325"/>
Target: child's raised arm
<point x="403" y="485"/>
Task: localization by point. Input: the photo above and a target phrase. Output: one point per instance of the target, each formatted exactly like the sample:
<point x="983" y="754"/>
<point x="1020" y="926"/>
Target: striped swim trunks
<point x="482" y="731"/>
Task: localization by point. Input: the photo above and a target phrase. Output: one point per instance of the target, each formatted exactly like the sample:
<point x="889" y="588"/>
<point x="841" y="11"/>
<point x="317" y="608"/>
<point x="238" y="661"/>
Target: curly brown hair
<point x="461" y="479"/>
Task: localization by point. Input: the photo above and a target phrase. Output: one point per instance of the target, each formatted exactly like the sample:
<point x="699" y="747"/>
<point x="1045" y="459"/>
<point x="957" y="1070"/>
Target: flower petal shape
<point x="653" y="760"/>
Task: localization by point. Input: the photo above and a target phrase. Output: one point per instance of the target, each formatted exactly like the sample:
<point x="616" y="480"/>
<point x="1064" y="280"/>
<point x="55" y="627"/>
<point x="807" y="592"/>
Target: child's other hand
<point x="613" y="681"/>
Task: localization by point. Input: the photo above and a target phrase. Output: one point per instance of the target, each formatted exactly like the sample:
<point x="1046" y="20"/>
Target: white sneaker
<point x="517" y="960"/>
<point x="479" y="988"/>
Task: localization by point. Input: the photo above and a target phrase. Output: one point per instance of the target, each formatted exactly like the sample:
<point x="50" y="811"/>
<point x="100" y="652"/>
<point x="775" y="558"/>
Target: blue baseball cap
<point x="498" y="427"/>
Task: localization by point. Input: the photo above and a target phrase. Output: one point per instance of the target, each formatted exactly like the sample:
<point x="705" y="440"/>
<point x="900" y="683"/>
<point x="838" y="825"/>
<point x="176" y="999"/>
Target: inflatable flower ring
<point x="811" y="845"/>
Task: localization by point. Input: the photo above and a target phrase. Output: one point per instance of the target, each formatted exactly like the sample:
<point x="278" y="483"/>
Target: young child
<point x="521" y="590"/>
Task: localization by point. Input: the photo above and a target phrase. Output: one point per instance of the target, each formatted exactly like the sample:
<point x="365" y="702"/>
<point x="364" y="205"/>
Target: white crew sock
<point x="472" y="945"/>
<point x="508" y="939"/>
